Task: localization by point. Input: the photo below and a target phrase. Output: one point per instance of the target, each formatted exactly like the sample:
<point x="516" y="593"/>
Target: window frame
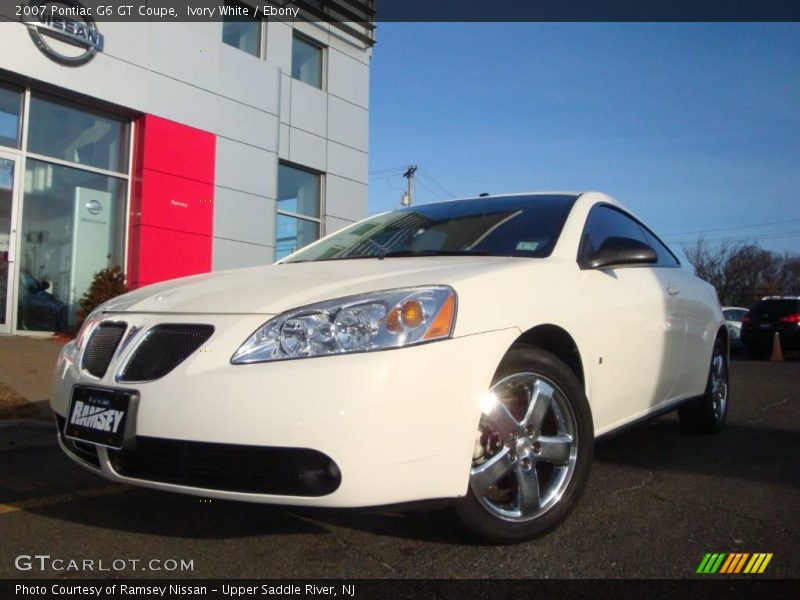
<point x="303" y="217"/>
<point x="645" y="230"/>
<point x="323" y="63"/>
<point x="22" y="154"/>
<point x="21" y="90"/>
<point x="262" y="32"/>
<point x="127" y="144"/>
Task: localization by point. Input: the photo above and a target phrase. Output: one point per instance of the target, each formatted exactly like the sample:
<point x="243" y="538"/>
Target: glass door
<point x="8" y="186"/>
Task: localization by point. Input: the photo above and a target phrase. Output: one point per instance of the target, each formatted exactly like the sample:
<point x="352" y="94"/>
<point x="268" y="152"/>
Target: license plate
<point x="766" y="326"/>
<point x="98" y="416"/>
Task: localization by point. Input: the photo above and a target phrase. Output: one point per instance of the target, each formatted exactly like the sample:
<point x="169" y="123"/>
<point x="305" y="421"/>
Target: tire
<point x="533" y="451"/>
<point x="708" y="413"/>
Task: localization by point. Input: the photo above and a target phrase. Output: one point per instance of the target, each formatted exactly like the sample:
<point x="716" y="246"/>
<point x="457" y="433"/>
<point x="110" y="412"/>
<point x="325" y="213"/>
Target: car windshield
<point x="526" y="226"/>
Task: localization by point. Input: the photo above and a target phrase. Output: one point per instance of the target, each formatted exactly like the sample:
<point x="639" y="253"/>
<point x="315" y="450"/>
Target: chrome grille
<point x="101" y="347"/>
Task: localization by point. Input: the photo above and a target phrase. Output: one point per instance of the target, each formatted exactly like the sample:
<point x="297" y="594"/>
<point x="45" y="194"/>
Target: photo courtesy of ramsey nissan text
<point x="398" y="299"/>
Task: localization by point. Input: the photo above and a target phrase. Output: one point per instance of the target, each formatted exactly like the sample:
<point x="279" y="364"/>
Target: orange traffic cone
<point x="777" y="352"/>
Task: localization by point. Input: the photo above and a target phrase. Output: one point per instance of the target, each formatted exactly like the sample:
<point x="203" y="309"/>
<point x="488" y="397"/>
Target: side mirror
<point x="617" y="251"/>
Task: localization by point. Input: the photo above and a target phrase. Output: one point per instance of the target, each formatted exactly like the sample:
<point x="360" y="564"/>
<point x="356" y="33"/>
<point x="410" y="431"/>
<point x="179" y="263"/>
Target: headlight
<point x="361" y="323"/>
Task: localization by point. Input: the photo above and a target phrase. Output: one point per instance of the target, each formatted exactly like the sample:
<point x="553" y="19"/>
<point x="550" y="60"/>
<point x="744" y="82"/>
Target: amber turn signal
<point x="443" y="322"/>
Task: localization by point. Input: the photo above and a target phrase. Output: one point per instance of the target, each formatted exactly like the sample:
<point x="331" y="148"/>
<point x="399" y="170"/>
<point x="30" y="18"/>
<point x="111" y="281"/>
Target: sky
<point x="694" y="127"/>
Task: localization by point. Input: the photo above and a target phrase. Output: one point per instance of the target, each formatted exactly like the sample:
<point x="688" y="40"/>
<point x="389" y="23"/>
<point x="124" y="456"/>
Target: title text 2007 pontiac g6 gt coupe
<point x="469" y="350"/>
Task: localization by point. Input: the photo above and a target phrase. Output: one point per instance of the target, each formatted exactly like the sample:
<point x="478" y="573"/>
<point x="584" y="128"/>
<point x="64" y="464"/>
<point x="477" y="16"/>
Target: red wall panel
<point x="172" y="205"/>
<point x="177" y="203"/>
<point x="177" y="149"/>
<point x="175" y="254"/>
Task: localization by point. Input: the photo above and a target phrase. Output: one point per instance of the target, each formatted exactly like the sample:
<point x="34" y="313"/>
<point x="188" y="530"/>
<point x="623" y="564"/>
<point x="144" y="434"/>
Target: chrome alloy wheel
<point x="526" y="448"/>
<point x="719" y="384"/>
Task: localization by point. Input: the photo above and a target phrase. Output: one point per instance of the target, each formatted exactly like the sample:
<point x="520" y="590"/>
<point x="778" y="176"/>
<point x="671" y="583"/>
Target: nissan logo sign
<point x="66" y="21"/>
<point x="94" y="207"/>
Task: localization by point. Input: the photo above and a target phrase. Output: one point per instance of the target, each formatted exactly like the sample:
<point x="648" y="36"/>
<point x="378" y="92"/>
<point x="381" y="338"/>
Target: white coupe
<point x="470" y="350"/>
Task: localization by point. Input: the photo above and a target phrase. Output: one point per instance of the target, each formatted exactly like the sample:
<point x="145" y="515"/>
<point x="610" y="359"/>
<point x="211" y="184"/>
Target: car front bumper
<point x="397" y="425"/>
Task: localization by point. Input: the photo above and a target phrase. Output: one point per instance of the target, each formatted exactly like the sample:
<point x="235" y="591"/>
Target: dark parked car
<point x="39" y="310"/>
<point x="771" y="314"/>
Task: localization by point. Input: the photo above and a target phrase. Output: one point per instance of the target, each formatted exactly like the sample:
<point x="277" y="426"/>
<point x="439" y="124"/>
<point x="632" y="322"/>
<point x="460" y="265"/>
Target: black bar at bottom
<point x="735" y="586"/>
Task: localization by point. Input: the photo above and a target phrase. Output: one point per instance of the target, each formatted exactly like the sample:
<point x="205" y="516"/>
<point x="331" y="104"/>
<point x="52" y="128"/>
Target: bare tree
<point x="743" y="272"/>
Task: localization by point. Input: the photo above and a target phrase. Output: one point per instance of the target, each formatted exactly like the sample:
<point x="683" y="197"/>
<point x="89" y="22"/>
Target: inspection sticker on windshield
<point x="528" y="246"/>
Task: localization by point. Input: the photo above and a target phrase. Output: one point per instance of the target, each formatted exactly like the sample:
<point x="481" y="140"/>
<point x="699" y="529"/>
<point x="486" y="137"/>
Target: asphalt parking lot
<point x="657" y="501"/>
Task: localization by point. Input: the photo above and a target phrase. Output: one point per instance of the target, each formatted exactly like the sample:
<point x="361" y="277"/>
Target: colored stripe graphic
<point x="711" y="563"/>
<point x="765" y="563"/>
<point x="735" y="562"/>
<point x="741" y="562"/>
<point x="758" y="563"/>
<point x="703" y="563"/>
<point x="726" y="565"/>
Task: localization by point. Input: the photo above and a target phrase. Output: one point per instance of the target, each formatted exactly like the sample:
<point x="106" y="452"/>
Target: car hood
<point x="276" y="288"/>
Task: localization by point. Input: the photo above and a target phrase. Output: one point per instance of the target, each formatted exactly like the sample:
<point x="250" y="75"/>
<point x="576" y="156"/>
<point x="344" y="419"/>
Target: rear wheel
<point x="533" y="449"/>
<point x="708" y="414"/>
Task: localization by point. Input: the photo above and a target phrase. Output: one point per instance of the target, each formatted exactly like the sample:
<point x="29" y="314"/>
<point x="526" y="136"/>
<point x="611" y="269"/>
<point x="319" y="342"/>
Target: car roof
<point x="530" y="195"/>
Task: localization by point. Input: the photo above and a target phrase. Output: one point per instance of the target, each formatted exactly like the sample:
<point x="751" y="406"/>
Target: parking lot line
<point x="46" y="501"/>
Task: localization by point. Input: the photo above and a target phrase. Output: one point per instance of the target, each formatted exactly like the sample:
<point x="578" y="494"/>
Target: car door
<point x="638" y="325"/>
<point x="701" y="327"/>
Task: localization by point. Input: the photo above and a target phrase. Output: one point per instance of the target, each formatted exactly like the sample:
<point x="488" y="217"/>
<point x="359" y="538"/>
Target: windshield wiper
<point x="403" y="253"/>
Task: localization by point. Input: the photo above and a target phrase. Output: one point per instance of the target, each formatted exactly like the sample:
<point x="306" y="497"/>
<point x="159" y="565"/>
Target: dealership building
<point x="172" y="149"/>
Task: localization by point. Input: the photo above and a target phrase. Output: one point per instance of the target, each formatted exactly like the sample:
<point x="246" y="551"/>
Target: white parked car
<point x="733" y="320"/>
<point x="470" y="350"/>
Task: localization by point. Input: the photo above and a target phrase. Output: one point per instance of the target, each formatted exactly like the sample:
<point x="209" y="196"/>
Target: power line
<point x="777" y="236"/>
<point x="388" y="181"/>
<point x="428" y="175"/>
<point x="731" y="228"/>
<point x="430" y="189"/>
<point x="389" y="174"/>
<point x="387" y="170"/>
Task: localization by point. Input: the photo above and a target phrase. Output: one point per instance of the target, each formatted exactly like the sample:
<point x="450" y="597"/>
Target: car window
<point x="734" y="314"/>
<point x="665" y="256"/>
<point x="524" y="226"/>
<point x="606" y="221"/>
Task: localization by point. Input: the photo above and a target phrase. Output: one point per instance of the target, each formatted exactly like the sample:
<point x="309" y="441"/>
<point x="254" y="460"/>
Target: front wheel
<point x="708" y="414"/>
<point x="533" y="449"/>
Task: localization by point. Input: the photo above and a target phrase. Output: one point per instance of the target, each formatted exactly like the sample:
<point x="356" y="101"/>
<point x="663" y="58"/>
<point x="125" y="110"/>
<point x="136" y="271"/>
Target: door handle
<point x="673" y="290"/>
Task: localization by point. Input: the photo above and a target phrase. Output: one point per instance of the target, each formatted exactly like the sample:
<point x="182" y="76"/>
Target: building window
<point x="73" y="213"/>
<point x="306" y="61"/>
<point x="66" y="132"/>
<point x="240" y="31"/>
<point x="10" y="115"/>
<point x="298" y="222"/>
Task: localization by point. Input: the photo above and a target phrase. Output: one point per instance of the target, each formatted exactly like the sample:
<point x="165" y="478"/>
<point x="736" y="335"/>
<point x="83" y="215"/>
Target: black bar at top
<point x="365" y="11"/>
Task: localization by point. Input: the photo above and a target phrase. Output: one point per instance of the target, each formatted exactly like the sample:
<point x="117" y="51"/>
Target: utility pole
<point x="408" y="197"/>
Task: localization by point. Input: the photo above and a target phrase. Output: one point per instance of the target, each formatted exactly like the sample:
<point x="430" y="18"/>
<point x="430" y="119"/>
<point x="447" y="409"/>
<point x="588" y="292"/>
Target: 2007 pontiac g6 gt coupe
<point x="469" y="350"/>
